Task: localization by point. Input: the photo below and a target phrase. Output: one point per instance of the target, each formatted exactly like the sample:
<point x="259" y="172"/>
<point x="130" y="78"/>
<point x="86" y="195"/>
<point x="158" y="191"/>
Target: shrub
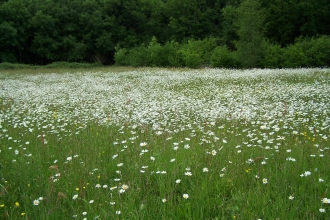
<point x="174" y="57"/>
<point x="273" y="56"/>
<point x="138" y="56"/>
<point x="223" y="58"/>
<point x="294" y="56"/>
<point x="317" y="51"/>
<point x="120" y="57"/>
<point x="192" y="59"/>
<point x="157" y="57"/>
<point x="194" y="53"/>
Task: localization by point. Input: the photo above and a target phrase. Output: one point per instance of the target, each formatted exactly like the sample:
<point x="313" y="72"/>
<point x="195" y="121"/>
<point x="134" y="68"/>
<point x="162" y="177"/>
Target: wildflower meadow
<point x="156" y="143"/>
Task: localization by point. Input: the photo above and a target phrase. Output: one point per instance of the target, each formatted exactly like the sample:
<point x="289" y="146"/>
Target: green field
<point x="152" y="143"/>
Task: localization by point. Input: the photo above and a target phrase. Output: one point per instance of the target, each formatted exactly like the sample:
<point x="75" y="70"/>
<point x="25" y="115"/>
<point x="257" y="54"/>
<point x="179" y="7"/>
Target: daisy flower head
<point x="185" y="196"/>
<point x="188" y="173"/>
<point x="143" y="144"/>
<point x="307" y="173"/>
<point x="164" y="200"/>
<point x="264" y="181"/>
<point x="177" y="181"/>
<point x="36" y="202"/>
<point x="214" y="152"/>
<point x="205" y="170"/>
<point x="291" y="197"/>
<point x="326" y="200"/>
<point x="75" y="197"/>
<point x="124" y="187"/>
<point x="322" y="210"/>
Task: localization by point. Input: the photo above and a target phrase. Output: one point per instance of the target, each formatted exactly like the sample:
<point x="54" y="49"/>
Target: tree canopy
<point x="45" y="31"/>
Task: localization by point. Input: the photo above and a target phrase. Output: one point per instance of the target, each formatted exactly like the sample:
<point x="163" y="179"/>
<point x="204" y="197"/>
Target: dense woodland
<point x="193" y="33"/>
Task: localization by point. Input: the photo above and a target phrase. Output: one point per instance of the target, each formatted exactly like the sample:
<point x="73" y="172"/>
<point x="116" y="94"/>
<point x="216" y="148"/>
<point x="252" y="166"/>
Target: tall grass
<point x="160" y="144"/>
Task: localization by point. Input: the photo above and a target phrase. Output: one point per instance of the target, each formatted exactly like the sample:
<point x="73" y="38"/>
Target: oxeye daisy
<point x="205" y="169"/>
<point x="264" y="181"/>
<point x="322" y="210"/>
<point x="124" y="187"/>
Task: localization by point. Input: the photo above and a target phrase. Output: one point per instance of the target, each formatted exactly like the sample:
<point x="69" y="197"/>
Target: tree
<point x="249" y="22"/>
<point x="229" y="31"/>
<point x="14" y="18"/>
<point x="193" y="19"/>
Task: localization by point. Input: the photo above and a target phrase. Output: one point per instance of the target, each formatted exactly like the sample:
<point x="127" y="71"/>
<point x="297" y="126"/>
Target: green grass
<point x="64" y="159"/>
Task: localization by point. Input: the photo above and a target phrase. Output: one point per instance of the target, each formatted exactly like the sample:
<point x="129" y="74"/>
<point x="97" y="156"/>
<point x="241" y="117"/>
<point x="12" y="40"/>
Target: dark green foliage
<point x="192" y="54"/>
<point x="171" y="50"/>
<point x="287" y="20"/>
<point x="317" y="51"/>
<point x="120" y="57"/>
<point x="139" y="56"/>
<point x="197" y="19"/>
<point x="174" y="33"/>
<point x="153" y="54"/>
<point x="197" y="52"/>
<point x="273" y="55"/>
<point x="229" y="33"/>
<point x="294" y="57"/>
<point x="249" y="22"/>
<point x="223" y="58"/>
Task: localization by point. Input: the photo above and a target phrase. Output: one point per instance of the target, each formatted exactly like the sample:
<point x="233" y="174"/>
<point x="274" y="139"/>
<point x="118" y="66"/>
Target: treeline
<point x="313" y="52"/>
<point x="192" y="33"/>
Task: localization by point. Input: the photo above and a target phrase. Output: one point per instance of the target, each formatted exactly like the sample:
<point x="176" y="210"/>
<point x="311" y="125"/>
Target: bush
<point x="317" y="51"/>
<point x="223" y="58"/>
<point x="157" y="57"/>
<point x="120" y="57"/>
<point x="152" y="55"/>
<point x="196" y="52"/>
<point x="174" y="57"/>
<point x="294" y="56"/>
<point x="273" y="56"/>
<point x="138" y="56"/>
<point x="191" y="59"/>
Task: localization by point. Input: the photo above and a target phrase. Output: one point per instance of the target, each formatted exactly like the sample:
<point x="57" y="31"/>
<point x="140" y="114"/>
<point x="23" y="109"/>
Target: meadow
<point x="156" y="143"/>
